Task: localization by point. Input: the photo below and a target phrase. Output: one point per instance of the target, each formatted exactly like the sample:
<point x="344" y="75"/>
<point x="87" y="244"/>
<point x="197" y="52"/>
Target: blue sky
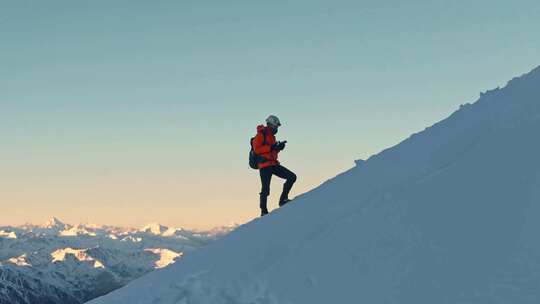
<point x="125" y="112"/>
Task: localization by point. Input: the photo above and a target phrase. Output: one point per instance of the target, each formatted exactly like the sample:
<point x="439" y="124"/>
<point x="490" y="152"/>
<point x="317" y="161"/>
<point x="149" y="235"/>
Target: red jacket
<point x="265" y="150"/>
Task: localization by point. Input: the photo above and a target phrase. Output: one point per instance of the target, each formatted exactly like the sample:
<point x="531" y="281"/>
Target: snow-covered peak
<point x="222" y="230"/>
<point x="166" y="256"/>
<point x="91" y="226"/>
<point x="8" y="235"/>
<point x="21" y="260"/>
<point x="78" y="230"/>
<point x="132" y="239"/>
<point x="54" y="223"/>
<point x="154" y="228"/>
<point x="80" y="254"/>
<point x="171" y="231"/>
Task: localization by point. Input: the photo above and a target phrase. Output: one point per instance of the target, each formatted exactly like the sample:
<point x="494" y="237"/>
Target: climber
<point x="266" y="150"/>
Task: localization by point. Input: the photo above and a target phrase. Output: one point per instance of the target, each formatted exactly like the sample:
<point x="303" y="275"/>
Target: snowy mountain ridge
<point x="81" y="255"/>
<point x="449" y="215"/>
<point x="65" y="264"/>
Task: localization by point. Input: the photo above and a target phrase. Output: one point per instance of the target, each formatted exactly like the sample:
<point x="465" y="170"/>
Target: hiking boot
<point x="284" y="201"/>
<point x="264" y="212"/>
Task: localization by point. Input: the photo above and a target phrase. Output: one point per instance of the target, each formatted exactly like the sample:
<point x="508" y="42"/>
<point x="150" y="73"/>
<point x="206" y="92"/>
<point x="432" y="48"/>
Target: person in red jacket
<point x="266" y="146"/>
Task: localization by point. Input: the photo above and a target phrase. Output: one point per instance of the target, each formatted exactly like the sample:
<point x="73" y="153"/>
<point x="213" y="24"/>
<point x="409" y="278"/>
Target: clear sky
<point x="127" y="112"/>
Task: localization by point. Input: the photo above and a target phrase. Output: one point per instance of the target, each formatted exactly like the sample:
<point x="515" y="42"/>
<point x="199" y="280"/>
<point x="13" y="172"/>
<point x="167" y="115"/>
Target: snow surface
<point x="166" y="256"/>
<point x="8" y="235"/>
<point x="449" y="215"/>
<point x="21" y="260"/>
<point x="154" y="228"/>
<point x="80" y="254"/>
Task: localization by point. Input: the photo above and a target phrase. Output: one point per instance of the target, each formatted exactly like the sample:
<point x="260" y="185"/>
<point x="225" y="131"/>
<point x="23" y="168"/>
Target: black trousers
<point x="266" y="177"/>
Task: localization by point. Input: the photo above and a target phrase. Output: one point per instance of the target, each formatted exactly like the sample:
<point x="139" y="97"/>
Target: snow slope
<point x="449" y="215"/>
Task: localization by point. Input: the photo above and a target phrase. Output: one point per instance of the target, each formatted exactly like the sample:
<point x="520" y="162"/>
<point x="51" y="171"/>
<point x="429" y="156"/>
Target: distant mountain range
<point x="59" y="263"/>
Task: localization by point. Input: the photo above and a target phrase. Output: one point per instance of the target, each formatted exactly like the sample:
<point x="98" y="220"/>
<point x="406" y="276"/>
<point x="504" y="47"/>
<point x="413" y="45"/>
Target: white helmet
<point x="273" y="121"/>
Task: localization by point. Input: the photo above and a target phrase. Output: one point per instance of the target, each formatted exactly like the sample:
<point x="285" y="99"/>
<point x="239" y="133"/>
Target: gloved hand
<point x="280" y="145"/>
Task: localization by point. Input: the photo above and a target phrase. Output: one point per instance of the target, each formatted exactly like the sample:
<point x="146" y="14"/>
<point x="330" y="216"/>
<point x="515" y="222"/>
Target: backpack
<point x="254" y="159"/>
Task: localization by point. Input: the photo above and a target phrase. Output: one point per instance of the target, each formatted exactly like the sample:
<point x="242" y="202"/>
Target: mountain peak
<point x="154" y="228"/>
<point x="54" y="222"/>
<point x="8" y="234"/>
<point x="81" y="255"/>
